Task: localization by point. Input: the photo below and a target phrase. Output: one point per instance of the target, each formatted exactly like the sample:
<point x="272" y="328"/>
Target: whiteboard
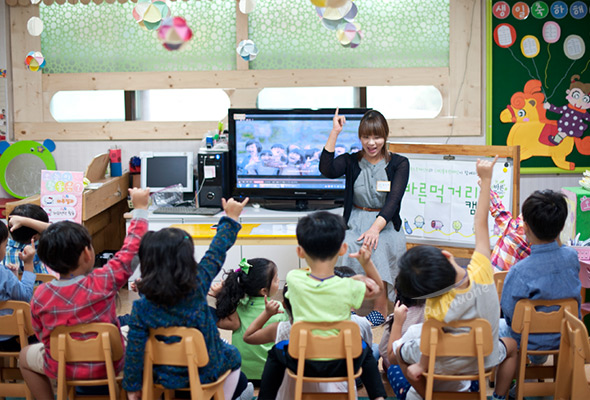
<point x="441" y="198"/>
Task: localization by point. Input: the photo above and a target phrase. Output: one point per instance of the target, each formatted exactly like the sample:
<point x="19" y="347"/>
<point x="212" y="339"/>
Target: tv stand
<point x="299" y="205"/>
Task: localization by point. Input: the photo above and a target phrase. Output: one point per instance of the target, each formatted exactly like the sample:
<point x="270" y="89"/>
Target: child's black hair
<point x="424" y="270"/>
<point x="61" y="244"/>
<point x="545" y="213"/>
<point x="3" y="232"/>
<point x="24" y="234"/>
<point x="287" y="303"/>
<point x="407" y="301"/>
<point x="344" y="272"/>
<point x="321" y="234"/>
<point x="238" y="283"/>
<point x="167" y="265"/>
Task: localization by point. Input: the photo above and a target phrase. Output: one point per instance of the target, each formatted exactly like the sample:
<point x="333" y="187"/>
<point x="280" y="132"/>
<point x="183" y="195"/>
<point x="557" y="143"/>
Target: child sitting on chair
<point x="25" y="222"/>
<point x="82" y="295"/>
<point x="174" y="288"/>
<point x="317" y="295"/>
<point x="454" y="293"/>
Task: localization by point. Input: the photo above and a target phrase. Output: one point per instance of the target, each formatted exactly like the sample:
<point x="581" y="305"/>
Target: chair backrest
<point x="574" y="354"/>
<point x="499" y="278"/>
<point x="528" y="318"/>
<point x="87" y="342"/>
<point x="18" y="321"/>
<point x="467" y="338"/>
<point x="189" y="342"/>
<point x="347" y="340"/>
<point x="44" y="278"/>
<point x="585" y="274"/>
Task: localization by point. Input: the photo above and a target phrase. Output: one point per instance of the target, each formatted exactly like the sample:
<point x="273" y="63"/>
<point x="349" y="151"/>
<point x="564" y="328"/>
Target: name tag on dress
<point x="383" y="186"/>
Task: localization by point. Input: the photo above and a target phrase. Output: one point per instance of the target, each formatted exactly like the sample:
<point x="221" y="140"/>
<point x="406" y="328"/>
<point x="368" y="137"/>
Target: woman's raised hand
<point x="338" y="122"/>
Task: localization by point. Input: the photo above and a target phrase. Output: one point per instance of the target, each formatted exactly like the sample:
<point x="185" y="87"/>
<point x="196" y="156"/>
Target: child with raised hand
<point x="83" y="294"/>
<point x="318" y="295"/>
<point x="241" y="299"/>
<point x="454" y="293"/>
<point x="11" y="288"/>
<point x="26" y="222"/>
<point x="174" y="293"/>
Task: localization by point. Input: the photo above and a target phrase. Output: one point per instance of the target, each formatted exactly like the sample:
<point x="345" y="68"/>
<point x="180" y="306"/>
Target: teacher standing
<point x="375" y="184"/>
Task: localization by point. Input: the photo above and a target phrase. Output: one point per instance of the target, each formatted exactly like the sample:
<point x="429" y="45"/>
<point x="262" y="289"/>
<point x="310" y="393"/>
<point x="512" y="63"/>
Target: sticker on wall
<point x="551" y="31"/>
<point x="35" y="61"/>
<point x="529" y="45"/>
<point x="247" y="49"/>
<point x="539" y="9"/>
<point x="578" y="10"/>
<point x="35" y="26"/>
<point x="247" y="6"/>
<point x="574" y="47"/>
<point x="501" y="10"/>
<point x="505" y="35"/>
<point x="174" y="33"/>
<point x="558" y="9"/>
<point x="149" y="14"/>
<point x="520" y="10"/>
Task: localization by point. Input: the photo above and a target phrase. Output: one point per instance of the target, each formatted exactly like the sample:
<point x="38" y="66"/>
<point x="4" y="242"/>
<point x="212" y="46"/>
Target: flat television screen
<point x="274" y="155"/>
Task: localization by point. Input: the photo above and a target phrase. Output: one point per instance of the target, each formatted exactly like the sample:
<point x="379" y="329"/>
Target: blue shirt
<point x="551" y="272"/>
<point x="13" y="289"/>
<point x="13" y="248"/>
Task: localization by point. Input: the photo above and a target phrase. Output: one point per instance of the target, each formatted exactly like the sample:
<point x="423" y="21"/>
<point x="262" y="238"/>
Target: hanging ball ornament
<point x="349" y="34"/>
<point x="35" y="61"/>
<point x="247" y="49"/>
<point x="174" y="33"/>
<point x="149" y="14"/>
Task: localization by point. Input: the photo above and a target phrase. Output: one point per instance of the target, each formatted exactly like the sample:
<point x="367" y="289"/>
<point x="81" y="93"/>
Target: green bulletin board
<point x="534" y="48"/>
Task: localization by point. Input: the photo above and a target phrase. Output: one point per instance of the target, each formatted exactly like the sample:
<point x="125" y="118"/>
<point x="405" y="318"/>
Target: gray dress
<point x="392" y="244"/>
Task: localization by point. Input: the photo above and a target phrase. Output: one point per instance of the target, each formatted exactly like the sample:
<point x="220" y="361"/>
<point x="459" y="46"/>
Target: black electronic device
<point x="274" y="156"/>
<point x="213" y="178"/>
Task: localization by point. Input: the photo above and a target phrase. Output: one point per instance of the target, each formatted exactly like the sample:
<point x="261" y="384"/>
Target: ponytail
<point x="249" y="279"/>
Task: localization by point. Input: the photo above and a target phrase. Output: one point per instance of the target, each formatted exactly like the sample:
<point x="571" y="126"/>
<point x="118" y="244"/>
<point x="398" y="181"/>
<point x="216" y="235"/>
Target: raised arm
<point x="16" y="221"/>
<point x="484" y="170"/>
<point x="400" y="313"/>
<point x="337" y="124"/>
<point x="364" y="258"/>
<point x="257" y="333"/>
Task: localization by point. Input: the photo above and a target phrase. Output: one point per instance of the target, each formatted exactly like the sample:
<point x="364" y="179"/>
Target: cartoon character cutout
<point x="575" y="115"/>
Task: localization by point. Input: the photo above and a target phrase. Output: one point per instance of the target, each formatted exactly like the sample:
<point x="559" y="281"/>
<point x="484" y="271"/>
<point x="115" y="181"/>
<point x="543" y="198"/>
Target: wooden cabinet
<point x="102" y="212"/>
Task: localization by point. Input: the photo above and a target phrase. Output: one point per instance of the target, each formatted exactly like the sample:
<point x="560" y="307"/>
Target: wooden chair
<point x="18" y="323"/>
<point x="499" y="278"/>
<point x="190" y="352"/>
<point x="474" y="340"/>
<point x="573" y="367"/>
<point x="527" y="320"/>
<point x="304" y="344"/>
<point x="585" y="279"/>
<point x="101" y="343"/>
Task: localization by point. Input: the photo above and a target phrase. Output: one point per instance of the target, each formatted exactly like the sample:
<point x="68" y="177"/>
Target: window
<point x="308" y="97"/>
<point x="405" y="102"/>
<point x="182" y="105"/>
<point x="88" y="105"/>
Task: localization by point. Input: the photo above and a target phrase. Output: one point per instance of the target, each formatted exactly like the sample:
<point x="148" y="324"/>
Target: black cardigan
<point x="398" y="171"/>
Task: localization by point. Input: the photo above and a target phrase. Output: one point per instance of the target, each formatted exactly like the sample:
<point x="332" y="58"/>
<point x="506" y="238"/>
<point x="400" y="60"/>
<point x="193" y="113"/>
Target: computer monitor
<point x="275" y="155"/>
<point x="161" y="170"/>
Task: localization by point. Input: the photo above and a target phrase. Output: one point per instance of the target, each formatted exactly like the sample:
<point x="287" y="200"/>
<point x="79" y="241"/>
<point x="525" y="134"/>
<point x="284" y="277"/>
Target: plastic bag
<point x="169" y="196"/>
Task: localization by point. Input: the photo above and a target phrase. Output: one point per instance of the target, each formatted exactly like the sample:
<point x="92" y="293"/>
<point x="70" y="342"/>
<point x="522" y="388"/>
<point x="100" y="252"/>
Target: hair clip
<point x="244" y="266"/>
<point x="187" y="237"/>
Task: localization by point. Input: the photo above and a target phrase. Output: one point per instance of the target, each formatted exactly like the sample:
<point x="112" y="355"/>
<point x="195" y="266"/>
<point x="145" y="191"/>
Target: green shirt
<point x="253" y="356"/>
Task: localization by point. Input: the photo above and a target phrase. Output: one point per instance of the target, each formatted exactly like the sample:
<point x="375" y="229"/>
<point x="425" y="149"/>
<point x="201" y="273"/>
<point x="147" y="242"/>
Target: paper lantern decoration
<point x="149" y="14"/>
<point x="247" y="49"/>
<point x="349" y="34"/>
<point x="35" y="61"/>
<point x="174" y="33"/>
<point x="247" y="6"/>
<point x="35" y="26"/>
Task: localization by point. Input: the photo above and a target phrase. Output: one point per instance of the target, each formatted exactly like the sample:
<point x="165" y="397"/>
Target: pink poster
<point x="61" y="195"/>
